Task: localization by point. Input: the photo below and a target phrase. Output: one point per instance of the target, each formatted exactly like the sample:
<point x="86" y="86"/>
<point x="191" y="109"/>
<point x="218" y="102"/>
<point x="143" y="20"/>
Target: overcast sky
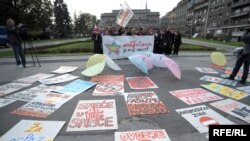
<point x="97" y="7"/>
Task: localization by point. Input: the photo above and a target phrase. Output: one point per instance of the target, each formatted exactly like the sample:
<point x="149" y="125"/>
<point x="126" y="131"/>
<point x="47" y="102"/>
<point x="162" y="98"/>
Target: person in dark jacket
<point x="16" y="42"/>
<point x="97" y="38"/>
<point x="177" y="42"/>
<point x="243" y="58"/>
<point x="168" y="41"/>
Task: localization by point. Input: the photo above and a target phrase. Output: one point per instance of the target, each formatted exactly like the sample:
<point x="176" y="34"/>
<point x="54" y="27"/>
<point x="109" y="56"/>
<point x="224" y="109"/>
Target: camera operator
<point x="16" y="42"/>
<point x="244" y="57"/>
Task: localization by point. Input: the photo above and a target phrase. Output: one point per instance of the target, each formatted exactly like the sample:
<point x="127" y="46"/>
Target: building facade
<point x="180" y="21"/>
<point x="163" y="22"/>
<point x="170" y="18"/>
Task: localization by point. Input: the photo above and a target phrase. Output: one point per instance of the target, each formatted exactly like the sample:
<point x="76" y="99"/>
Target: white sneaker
<point x="20" y="66"/>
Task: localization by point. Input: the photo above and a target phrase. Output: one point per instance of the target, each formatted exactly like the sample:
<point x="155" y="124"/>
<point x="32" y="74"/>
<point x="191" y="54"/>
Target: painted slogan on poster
<point x="58" y="79"/>
<point x="94" y="115"/>
<point x="142" y="103"/>
<point x="33" y="130"/>
<point x="218" y="80"/>
<point x="206" y="70"/>
<point x="195" y="96"/>
<point x="109" y="88"/>
<point x="201" y="117"/>
<point x="5" y="102"/>
<point x="143" y="135"/>
<point x="65" y="69"/>
<point x="141" y="83"/>
<point x="234" y="108"/>
<point x="42" y="106"/>
<point x="226" y="91"/>
<point x="33" y="78"/>
<point x="12" y="87"/>
<point x="103" y="78"/>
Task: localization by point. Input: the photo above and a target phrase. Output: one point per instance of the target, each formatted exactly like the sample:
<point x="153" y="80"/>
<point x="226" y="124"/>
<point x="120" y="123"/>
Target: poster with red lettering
<point x="141" y="83"/>
<point x="94" y="115"/>
<point x="195" y="96"/>
<point x="142" y="103"/>
<point x="143" y="135"/>
<point x="109" y="88"/>
<point x="102" y="78"/>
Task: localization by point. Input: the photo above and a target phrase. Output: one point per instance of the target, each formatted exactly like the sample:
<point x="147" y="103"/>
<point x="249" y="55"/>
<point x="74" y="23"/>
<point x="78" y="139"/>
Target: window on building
<point x="246" y="9"/>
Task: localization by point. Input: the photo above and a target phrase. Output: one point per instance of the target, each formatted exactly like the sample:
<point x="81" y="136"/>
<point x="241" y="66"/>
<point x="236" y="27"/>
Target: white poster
<point x="94" y="115"/>
<point x="201" y="117"/>
<point x="206" y="70"/>
<point x="33" y="130"/>
<point x="117" y="47"/>
<point x="59" y="79"/>
<point x="218" y="80"/>
<point x="33" y="78"/>
<point x="109" y="88"/>
<point x="143" y="135"/>
<point x="65" y="69"/>
<point x="5" y="102"/>
<point x="12" y="87"/>
<point x="125" y="14"/>
<point x="234" y="108"/>
<point x="245" y="89"/>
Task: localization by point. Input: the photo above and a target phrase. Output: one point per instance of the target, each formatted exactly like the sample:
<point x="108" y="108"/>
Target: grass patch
<point x="8" y="53"/>
<point x="188" y="47"/>
<point x="231" y="43"/>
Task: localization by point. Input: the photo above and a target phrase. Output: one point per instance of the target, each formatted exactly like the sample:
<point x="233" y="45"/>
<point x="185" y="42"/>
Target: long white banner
<point x="118" y="47"/>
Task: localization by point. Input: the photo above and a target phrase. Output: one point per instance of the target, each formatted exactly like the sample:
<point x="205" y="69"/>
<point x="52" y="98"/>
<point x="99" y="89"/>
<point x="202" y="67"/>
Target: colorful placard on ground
<point x="42" y="106"/>
<point x="225" y="91"/>
<point x="33" y="130"/>
<point x="65" y="69"/>
<point x="244" y="89"/>
<point x="141" y="83"/>
<point x="5" y="102"/>
<point x="94" y="115"/>
<point x="76" y="87"/>
<point x="195" y="96"/>
<point x="206" y="70"/>
<point x="218" y="80"/>
<point x="143" y="135"/>
<point x="12" y="87"/>
<point x="109" y="88"/>
<point x="29" y="94"/>
<point x="142" y="103"/>
<point x="238" y="78"/>
<point x="33" y="78"/>
<point x="201" y="117"/>
<point x="234" y="108"/>
<point x="58" y="79"/>
<point x="102" y="78"/>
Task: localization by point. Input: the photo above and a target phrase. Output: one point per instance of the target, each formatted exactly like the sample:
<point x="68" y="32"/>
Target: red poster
<point x="141" y="83"/>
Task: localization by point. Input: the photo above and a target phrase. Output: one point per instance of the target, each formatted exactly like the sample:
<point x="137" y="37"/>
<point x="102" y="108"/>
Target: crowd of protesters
<point x="165" y="41"/>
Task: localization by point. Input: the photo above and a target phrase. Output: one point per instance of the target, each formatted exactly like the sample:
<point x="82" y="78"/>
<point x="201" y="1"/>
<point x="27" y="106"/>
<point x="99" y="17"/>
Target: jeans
<point x="18" y="51"/>
<point x="241" y="59"/>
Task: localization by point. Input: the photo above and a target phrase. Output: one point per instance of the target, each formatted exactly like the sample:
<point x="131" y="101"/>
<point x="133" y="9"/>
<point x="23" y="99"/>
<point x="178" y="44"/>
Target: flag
<point x="124" y="15"/>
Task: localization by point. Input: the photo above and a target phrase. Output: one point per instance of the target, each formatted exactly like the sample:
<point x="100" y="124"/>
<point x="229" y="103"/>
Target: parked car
<point x="3" y="37"/>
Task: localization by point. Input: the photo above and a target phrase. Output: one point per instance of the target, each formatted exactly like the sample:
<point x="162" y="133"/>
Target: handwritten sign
<point x="94" y="115"/>
<point x="143" y="135"/>
<point x="141" y="83"/>
<point x="33" y="130"/>
<point x="218" y="80"/>
<point x="109" y="88"/>
<point x="141" y="103"/>
<point x="59" y="79"/>
<point x="12" y="87"/>
<point x="33" y="78"/>
<point x="206" y="70"/>
<point x="201" y="117"/>
<point x="5" y="102"/>
<point x="103" y="78"/>
<point x="195" y="96"/>
<point x="65" y="69"/>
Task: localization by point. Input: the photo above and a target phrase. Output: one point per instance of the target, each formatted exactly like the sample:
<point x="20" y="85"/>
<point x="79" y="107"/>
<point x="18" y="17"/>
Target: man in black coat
<point x="177" y="42"/>
<point x="97" y="38"/>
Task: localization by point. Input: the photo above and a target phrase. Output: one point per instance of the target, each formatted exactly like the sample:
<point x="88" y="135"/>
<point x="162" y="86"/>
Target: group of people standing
<point x="165" y="41"/>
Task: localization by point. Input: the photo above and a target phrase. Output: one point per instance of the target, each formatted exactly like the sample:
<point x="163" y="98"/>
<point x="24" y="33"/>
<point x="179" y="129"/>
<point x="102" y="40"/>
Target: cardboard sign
<point x="125" y="14"/>
<point x="33" y="130"/>
<point x="12" y="87"/>
<point x="141" y="83"/>
<point x="109" y="88"/>
<point x="218" y="80"/>
<point x="143" y="135"/>
<point x="103" y="78"/>
<point x="94" y="115"/>
<point x="59" y="79"/>
<point x="201" y="117"/>
<point x="195" y="96"/>
<point x="33" y="78"/>
<point x="141" y="103"/>
<point x="234" y="108"/>
<point x="5" y="102"/>
<point x="206" y="70"/>
<point x="42" y="106"/>
<point x="244" y="89"/>
<point x="65" y="69"/>
<point x="226" y="91"/>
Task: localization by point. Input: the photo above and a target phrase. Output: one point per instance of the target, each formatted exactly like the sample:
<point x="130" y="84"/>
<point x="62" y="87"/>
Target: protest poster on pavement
<point x="33" y="130"/>
<point x="142" y="103"/>
<point x="103" y="78"/>
<point x="109" y="88"/>
<point x="65" y="69"/>
<point x="5" y="102"/>
<point x="225" y="91"/>
<point x="141" y="83"/>
<point x="143" y="135"/>
<point x="42" y="106"/>
<point x="29" y="94"/>
<point x="245" y="89"/>
<point x="58" y="79"/>
<point x="195" y="96"/>
<point x="234" y="108"/>
<point x="76" y="87"/>
<point x="94" y="115"/>
<point x="33" y="78"/>
<point x="218" y="80"/>
<point x="206" y="70"/>
<point x="201" y="117"/>
<point x="12" y="87"/>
